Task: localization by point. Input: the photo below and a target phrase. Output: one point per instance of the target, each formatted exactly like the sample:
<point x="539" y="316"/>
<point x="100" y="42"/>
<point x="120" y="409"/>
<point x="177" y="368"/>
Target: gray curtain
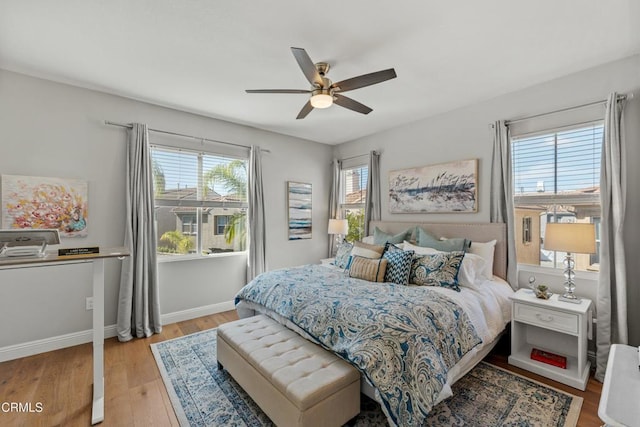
<point x="139" y="299"/>
<point x="501" y="198"/>
<point x="612" y="295"/>
<point x="334" y="199"/>
<point x="256" y="262"/>
<point x="373" y="207"/>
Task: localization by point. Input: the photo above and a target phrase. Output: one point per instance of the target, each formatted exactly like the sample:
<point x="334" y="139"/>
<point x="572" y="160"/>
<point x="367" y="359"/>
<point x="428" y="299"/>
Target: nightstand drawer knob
<point x="547" y="318"/>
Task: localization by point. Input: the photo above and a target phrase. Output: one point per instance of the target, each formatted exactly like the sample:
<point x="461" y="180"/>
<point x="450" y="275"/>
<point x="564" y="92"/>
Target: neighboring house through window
<point x="200" y="202"/>
<point x="556" y="178"/>
<point x="353" y="198"/>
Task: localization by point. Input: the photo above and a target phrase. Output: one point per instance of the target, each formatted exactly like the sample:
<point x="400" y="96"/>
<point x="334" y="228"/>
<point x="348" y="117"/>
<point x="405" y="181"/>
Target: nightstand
<point x="554" y="326"/>
<point x="327" y="261"/>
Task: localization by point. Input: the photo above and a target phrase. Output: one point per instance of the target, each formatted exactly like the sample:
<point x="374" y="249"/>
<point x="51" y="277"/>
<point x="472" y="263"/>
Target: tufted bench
<point x="295" y="382"/>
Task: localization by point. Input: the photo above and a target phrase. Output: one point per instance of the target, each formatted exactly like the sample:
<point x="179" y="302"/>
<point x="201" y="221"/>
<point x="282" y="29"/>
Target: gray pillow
<point x="426" y="240"/>
<point x="380" y="237"/>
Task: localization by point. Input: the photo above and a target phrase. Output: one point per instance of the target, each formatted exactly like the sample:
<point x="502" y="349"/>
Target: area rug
<point x="202" y="395"/>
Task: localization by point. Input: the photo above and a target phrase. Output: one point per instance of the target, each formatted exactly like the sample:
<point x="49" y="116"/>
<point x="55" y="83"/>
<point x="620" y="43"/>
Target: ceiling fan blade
<point x="307" y="66"/>
<point x="305" y="110"/>
<point x="349" y="103"/>
<point x="277" y="91"/>
<point x="364" y="80"/>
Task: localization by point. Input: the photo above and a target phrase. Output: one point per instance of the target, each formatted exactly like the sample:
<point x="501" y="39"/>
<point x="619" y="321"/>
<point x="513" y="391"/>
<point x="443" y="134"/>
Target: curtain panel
<point x="612" y="294"/>
<point x="373" y="207"/>
<point x="256" y="261"/>
<point x="334" y="199"/>
<point x="139" y="298"/>
<point x="501" y="197"/>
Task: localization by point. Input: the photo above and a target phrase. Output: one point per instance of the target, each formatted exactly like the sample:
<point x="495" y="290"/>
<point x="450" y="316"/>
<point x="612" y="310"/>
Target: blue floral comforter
<point x="404" y="339"/>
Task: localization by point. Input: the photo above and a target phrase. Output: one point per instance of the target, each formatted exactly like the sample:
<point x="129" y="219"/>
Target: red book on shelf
<point x="550" y="358"/>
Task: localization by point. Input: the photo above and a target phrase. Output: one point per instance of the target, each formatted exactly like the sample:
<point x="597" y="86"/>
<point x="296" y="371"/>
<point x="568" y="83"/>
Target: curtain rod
<point x="577" y="107"/>
<point x="358" y="155"/>
<point x="166" y="132"/>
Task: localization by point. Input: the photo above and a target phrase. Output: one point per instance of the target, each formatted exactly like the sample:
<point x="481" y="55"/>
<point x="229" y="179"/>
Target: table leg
<point x="97" y="413"/>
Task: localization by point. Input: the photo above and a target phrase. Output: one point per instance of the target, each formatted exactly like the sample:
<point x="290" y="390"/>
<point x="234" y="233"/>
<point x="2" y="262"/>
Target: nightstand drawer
<point x="550" y="319"/>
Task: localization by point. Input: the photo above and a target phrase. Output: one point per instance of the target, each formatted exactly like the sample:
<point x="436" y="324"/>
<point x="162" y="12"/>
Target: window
<point x="353" y="199"/>
<point x="556" y="178"/>
<point x="221" y="223"/>
<point x="189" y="188"/>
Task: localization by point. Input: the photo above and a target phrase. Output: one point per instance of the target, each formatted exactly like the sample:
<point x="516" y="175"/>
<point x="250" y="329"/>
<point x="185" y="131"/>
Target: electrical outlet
<point x="89" y="303"/>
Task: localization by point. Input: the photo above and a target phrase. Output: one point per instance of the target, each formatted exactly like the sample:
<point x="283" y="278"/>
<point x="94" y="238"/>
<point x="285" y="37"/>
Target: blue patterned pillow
<point x="439" y="269"/>
<point x="342" y="254"/>
<point x="398" y="265"/>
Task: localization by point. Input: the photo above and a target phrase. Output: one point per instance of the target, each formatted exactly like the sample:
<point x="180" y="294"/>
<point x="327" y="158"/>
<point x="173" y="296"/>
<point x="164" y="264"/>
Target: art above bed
<point x="445" y="187"/>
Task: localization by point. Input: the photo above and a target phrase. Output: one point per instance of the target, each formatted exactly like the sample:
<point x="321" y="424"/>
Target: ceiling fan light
<point x="321" y="100"/>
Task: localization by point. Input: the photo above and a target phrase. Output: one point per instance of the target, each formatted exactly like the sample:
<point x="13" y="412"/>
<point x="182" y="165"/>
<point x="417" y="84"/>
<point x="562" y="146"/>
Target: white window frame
<point x="552" y="198"/>
<point x="199" y="204"/>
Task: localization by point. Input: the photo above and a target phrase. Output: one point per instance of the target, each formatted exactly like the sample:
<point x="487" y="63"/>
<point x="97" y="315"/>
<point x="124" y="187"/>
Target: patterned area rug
<point x="202" y="395"/>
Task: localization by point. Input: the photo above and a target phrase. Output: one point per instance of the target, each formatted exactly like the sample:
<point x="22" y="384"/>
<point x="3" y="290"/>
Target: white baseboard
<point x="30" y="348"/>
<point x="192" y="313"/>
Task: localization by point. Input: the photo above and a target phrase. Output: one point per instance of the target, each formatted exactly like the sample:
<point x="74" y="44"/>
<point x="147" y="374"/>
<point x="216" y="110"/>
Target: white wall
<point x="55" y="130"/>
<point x="465" y="134"/>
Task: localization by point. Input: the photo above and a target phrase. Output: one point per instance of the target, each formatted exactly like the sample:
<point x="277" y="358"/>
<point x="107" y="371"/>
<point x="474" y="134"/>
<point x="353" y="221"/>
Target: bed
<point x="411" y="343"/>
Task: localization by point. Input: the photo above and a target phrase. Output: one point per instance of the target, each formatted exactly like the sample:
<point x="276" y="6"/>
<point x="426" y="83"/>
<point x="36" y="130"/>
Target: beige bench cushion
<point x="302" y="371"/>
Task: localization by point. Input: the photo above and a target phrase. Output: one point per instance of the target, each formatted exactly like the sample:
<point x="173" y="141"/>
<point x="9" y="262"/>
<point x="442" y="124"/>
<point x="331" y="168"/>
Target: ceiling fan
<point x="323" y="92"/>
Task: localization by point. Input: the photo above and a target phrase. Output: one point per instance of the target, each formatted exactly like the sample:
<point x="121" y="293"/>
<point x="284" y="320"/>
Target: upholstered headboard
<point x="479" y="232"/>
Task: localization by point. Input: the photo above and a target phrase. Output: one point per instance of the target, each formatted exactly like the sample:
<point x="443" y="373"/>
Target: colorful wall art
<point x="37" y="202"/>
<point x="446" y="187"/>
<point x="299" y="206"/>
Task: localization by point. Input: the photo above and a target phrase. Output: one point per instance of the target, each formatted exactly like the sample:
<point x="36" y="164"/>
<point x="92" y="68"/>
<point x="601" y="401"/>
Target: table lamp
<point x="570" y="238"/>
<point x="339" y="227"/>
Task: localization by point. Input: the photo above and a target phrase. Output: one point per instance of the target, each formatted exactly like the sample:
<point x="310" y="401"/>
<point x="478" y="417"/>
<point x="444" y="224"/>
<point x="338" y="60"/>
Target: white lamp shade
<point x="338" y="226"/>
<point x="570" y="237"/>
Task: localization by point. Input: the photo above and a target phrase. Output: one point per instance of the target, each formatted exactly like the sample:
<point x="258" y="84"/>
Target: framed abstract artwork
<point x="51" y="203"/>
<point x="441" y="188"/>
<point x="299" y="208"/>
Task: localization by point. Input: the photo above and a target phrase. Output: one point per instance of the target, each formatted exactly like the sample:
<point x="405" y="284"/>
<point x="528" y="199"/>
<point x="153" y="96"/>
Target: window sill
<point x="580" y="274"/>
<point x="192" y="257"/>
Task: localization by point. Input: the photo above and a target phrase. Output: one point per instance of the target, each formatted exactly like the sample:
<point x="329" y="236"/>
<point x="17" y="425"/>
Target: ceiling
<point x="200" y="55"/>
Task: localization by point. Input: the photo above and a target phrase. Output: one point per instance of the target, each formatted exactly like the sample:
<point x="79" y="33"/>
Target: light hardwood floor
<point x="135" y="394"/>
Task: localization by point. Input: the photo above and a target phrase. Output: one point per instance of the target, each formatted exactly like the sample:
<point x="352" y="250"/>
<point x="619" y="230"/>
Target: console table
<point x="51" y="258"/>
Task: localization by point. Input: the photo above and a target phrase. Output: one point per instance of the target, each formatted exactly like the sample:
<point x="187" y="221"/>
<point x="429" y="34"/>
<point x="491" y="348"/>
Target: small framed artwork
<point x="441" y="188"/>
<point x="299" y="208"/>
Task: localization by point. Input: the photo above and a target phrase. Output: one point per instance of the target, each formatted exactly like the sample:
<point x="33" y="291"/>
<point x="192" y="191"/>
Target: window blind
<point x="197" y="179"/>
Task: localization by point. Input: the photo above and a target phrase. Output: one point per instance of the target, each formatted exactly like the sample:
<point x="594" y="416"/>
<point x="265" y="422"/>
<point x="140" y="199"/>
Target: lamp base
<point x="570" y="298"/>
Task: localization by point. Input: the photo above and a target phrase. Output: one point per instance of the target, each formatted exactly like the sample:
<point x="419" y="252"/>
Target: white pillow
<point x="486" y="251"/>
<point x="471" y="270"/>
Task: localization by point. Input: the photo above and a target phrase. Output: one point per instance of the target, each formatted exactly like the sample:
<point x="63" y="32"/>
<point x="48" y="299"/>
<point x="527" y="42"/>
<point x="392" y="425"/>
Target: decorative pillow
<point x="486" y="251"/>
<point x="380" y="237"/>
<point x="398" y="264"/>
<point x="342" y="254"/>
<point x="427" y="240"/>
<point x="368" y="269"/>
<point x="367" y="251"/>
<point x="471" y="270"/>
<point x="368" y="240"/>
<point x="437" y="270"/>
